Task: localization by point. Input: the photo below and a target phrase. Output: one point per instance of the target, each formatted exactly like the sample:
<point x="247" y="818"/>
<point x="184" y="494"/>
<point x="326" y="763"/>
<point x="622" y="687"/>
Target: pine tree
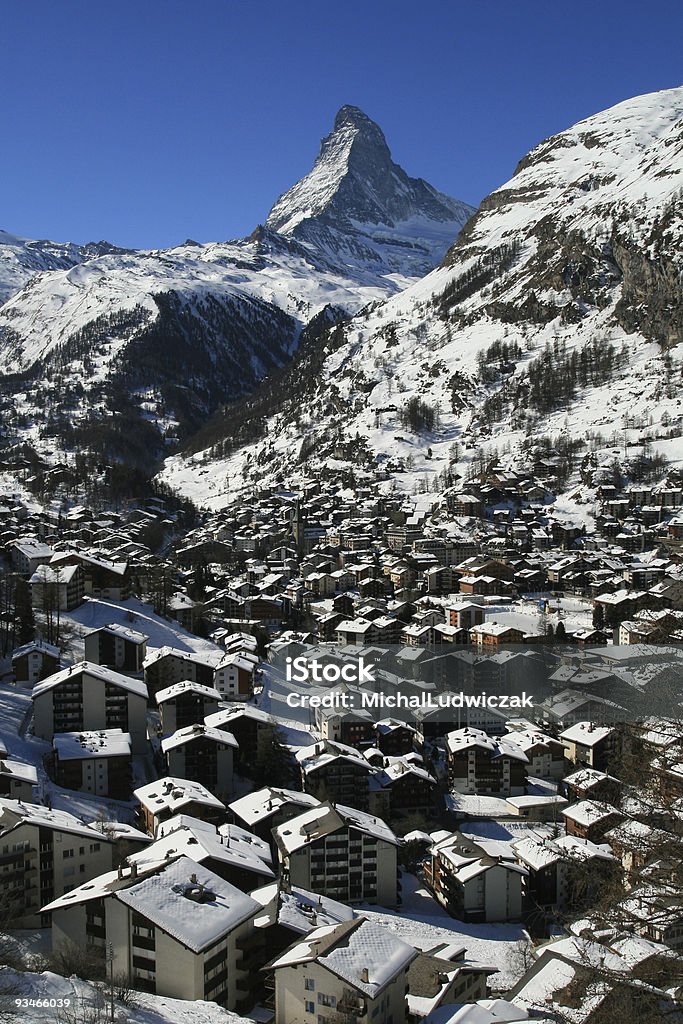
<point x="23" y="611"/>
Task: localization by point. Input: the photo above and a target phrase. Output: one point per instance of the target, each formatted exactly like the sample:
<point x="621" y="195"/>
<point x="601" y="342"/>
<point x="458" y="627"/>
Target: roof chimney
<point x="364" y="975"/>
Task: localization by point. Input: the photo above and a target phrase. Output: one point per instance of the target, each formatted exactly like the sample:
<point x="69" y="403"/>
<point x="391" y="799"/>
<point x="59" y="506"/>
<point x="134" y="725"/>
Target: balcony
<point x="352" y="1004"/>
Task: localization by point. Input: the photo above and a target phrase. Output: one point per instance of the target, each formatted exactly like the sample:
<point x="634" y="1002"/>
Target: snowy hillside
<point x="162" y="338"/>
<point x="22" y="258"/>
<point x="553" y="321"/>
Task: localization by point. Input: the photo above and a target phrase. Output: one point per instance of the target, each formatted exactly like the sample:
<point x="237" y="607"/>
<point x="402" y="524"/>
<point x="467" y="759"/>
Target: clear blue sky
<point x="151" y="121"/>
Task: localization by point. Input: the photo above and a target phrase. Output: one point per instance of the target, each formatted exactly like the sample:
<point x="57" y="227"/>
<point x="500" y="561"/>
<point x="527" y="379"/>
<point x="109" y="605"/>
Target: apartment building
<point x="44" y="854"/>
<point x="57" y="587"/>
<point x="340" y="852"/>
<point x="476" y="882"/>
<point x="97" y="762"/>
<point x="202" y="754"/>
<point x="185" y="703"/>
<point x="177" y="930"/>
<point x="355" y="971"/>
<point x="86" y="697"/>
<point x="117" y="646"/>
<point x="333" y="771"/>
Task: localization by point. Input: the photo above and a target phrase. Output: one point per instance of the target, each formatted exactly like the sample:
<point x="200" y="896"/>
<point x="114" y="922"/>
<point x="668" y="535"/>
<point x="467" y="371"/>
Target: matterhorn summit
<point x="360" y="207"/>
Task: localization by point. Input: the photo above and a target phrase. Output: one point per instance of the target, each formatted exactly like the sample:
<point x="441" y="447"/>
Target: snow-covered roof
<point x="40" y="646"/>
<point x="190" y="733"/>
<point x="116" y="629"/>
<point x="300" y="910"/>
<point x="325" y="819"/>
<point x="186" y="686"/>
<point x="203" y="657"/>
<point x="14" y="812"/>
<point x="100" y="672"/>
<point x="498" y="746"/>
<point x="588" y="812"/>
<point x="202" y="843"/>
<point x="173" y="794"/>
<point x="585" y="733"/>
<point x="79" y="745"/>
<point x="18" y="770"/>
<point x="362" y="953"/>
<point x="192" y="904"/>
<point x="255" y="807"/>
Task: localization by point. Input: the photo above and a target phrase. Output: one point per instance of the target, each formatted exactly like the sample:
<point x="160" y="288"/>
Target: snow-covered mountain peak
<point x="358" y="205"/>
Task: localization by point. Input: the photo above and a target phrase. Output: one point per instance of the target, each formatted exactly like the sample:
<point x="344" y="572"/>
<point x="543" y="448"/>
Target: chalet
<point x="86" y="697"/>
<point x="495" y="634"/>
<point x="164" y="798"/>
<point x="590" y="819"/>
<point x="588" y="783"/>
<point x="34" y="661"/>
<point x="480" y="764"/>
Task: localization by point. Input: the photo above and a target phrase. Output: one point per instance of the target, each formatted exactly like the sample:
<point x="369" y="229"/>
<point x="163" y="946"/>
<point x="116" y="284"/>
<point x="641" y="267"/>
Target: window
<point x="326" y="1000"/>
<point x="309" y="984"/>
<point x="310" y="1007"/>
<point x="66" y="854"/>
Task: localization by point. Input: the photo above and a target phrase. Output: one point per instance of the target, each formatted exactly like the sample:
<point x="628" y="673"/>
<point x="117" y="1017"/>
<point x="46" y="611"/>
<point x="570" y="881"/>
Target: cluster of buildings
<point x="255" y="893"/>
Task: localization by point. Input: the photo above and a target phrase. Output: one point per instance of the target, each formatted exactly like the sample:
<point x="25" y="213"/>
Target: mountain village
<point x="484" y="825"/>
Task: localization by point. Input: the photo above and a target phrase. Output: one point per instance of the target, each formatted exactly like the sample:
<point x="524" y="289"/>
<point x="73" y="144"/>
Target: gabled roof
<point x="363" y="954"/>
<point x="192" y="904"/>
<point x="100" y="672"/>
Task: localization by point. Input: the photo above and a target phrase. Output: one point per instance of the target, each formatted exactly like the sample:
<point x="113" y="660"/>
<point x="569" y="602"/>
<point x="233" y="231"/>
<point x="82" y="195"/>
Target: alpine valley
<point x="360" y="333"/>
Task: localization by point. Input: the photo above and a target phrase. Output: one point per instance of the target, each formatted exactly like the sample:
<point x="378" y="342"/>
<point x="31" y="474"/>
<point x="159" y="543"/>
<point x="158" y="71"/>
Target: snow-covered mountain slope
<point x="553" y="320"/>
<point x="362" y="209"/>
<point x="172" y="334"/>
<point x="22" y="258"/>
